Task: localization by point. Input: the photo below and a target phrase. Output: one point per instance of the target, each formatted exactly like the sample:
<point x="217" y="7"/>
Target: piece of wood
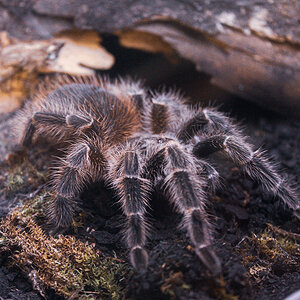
<point x="245" y="65"/>
<point x="74" y="52"/>
<point x="249" y="49"/>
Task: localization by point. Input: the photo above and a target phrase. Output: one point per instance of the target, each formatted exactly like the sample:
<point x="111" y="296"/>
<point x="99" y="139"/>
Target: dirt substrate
<point x="259" y="261"/>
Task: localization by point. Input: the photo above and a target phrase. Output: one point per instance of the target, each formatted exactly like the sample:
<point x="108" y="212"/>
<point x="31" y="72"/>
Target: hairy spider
<point x="135" y="141"/>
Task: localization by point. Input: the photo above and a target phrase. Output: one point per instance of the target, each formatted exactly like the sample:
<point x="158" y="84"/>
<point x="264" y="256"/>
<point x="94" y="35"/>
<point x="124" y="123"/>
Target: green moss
<point x="70" y="267"/>
<point x="271" y="251"/>
<point x="218" y="288"/>
<point x="220" y="291"/>
<point x="175" y="280"/>
<point x="22" y="175"/>
<point x="273" y="246"/>
<point x="14" y="181"/>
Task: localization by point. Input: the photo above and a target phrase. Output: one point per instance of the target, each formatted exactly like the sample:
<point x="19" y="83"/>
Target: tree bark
<point x="250" y="50"/>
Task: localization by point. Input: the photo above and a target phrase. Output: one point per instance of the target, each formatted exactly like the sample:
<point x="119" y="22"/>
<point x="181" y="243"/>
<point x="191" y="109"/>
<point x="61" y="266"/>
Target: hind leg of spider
<point x="254" y="163"/>
<point x="69" y="179"/>
<point x="186" y="191"/>
<point x="134" y="192"/>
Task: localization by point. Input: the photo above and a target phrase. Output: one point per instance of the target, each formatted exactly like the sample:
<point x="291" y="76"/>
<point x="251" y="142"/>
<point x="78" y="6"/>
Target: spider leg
<point x="210" y="173"/>
<point x="186" y="191"/>
<point x="134" y="192"/>
<point x="28" y="133"/>
<point x="127" y="87"/>
<point x="58" y="121"/>
<point x="138" y="100"/>
<point x="208" y="121"/>
<point x="80" y="165"/>
<point x="254" y="163"/>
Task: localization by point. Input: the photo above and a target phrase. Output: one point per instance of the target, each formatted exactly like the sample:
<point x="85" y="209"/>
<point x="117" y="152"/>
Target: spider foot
<point x="210" y="259"/>
<point x="139" y="259"/>
<point x="55" y="232"/>
<point x="297" y="213"/>
<point x="61" y="212"/>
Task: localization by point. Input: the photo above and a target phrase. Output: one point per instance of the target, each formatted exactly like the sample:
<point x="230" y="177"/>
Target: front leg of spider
<point x="205" y="121"/>
<point x="186" y="191"/>
<point x="68" y="180"/>
<point x="134" y="193"/>
<point x="254" y="163"/>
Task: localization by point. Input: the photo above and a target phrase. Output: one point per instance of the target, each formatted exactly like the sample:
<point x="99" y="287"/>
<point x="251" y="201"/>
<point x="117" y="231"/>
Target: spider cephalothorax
<point x="136" y="141"/>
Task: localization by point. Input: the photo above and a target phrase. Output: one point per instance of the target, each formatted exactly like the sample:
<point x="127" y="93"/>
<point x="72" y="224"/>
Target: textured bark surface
<point x="249" y="49"/>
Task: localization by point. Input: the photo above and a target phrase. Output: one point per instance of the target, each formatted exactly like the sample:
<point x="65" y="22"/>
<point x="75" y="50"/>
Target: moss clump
<point x="273" y="251"/>
<point x="175" y="280"/>
<point x="221" y="291"/>
<point x="217" y="286"/>
<point x="272" y="246"/>
<point x="22" y="175"/>
<point x="70" y="267"/>
<point x="15" y="180"/>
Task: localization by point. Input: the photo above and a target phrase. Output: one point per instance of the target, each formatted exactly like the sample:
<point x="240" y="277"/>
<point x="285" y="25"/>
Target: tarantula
<point x="136" y="140"/>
